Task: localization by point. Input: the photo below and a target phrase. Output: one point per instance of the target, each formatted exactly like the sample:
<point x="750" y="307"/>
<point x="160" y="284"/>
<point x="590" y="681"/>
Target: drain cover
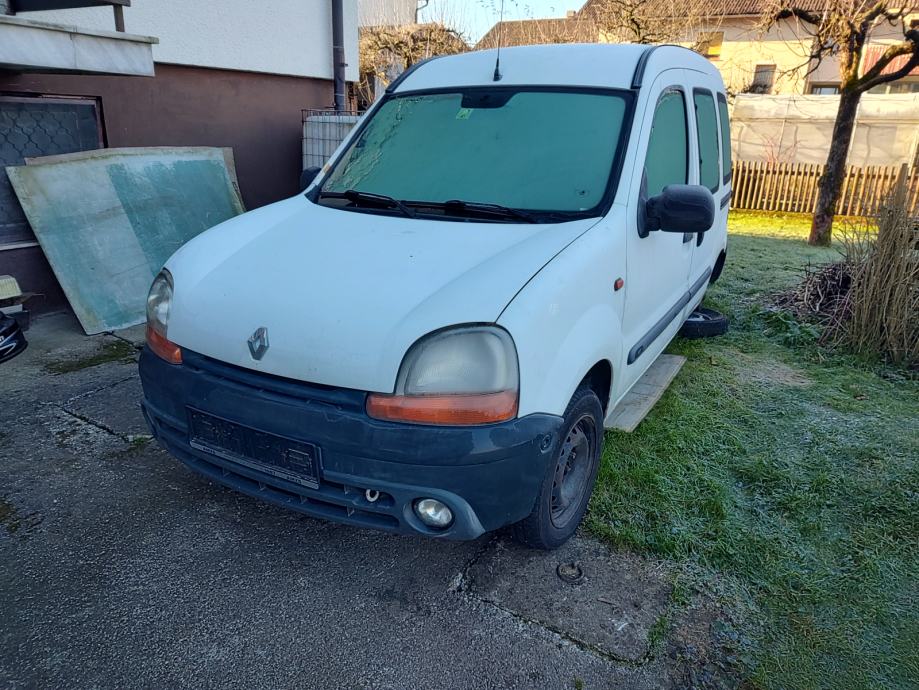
<point x="570" y="573"/>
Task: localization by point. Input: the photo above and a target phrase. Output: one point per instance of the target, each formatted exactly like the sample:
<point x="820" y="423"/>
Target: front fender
<point x="566" y="320"/>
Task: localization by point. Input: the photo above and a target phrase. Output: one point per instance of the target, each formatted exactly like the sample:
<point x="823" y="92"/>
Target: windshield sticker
<point x="464" y="113"/>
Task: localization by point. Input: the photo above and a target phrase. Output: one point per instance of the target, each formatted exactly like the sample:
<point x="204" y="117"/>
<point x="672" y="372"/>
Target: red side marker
<point x="617" y="286"/>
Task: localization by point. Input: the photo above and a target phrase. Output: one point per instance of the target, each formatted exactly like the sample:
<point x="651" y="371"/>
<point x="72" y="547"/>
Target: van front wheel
<point x="570" y="477"/>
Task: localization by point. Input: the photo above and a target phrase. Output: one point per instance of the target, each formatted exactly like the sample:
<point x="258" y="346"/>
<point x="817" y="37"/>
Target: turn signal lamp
<point x="159" y="302"/>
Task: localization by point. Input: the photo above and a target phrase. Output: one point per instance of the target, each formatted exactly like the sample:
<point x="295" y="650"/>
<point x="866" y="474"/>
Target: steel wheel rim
<point x="572" y="472"/>
<point x="700" y="316"/>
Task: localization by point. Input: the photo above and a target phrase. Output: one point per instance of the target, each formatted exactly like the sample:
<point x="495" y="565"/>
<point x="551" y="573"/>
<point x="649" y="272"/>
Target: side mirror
<point x="307" y="177"/>
<point x="683" y="208"/>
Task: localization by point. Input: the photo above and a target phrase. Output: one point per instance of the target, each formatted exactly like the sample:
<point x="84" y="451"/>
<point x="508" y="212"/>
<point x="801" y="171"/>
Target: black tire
<point x="718" y="268"/>
<point x="570" y="477"/>
<point x="704" y="323"/>
<point x="12" y="341"/>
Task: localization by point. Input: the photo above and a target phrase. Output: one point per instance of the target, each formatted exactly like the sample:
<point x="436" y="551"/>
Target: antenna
<point x="497" y="76"/>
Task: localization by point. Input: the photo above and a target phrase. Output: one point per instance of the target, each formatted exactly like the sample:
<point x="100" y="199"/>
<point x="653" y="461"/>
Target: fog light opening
<point x="433" y="513"/>
<point x="372" y="495"/>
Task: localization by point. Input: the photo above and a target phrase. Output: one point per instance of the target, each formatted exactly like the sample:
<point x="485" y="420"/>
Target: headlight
<point x="159" y="302"/>
<point x="460" y="376"/>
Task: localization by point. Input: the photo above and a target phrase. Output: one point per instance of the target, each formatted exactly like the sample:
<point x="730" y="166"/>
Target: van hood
<point x="343" y="295"/>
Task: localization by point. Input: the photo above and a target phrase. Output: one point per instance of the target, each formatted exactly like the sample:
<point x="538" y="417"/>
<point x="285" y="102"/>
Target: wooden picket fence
<point x="792" y="187"/>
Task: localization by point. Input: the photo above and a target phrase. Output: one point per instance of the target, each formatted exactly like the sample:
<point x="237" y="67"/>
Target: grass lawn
<point x="786" y="473"/>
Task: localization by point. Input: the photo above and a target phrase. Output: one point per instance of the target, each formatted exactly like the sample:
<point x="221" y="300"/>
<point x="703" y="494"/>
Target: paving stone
<point x="611" y="608"/>
<point x="116" y="408"/>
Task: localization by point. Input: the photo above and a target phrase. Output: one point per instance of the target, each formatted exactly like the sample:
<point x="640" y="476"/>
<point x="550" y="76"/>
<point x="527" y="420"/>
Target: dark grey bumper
<point x="488" y="475"/>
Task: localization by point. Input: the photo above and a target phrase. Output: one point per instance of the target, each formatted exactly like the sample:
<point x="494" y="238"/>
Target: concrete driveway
<point x="120" y="568"/>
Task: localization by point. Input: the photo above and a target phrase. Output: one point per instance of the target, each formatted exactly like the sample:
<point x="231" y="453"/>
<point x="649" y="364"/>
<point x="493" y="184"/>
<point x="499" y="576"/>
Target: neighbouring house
<point x="388" y="12"/>
<point x="574" y="28"/>
<point x="112" y="73"/>
<point x="727" y="32"/>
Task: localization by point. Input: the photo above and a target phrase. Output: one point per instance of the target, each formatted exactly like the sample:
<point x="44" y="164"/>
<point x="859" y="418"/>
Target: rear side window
<point x="725" y="137"/>
<point x="667" y="161"/>
<point x="707" y="130"/>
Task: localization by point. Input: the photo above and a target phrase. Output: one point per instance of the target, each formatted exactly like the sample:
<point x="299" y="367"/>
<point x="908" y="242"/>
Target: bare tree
<point x="655" y="21"/>
<point x="539" y="31"/>
<point x="386" y="51"/>
<point x="841" y="30"/>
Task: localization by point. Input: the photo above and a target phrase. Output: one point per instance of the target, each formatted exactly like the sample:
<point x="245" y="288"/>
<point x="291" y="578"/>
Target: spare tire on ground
<point x="12" y="341"/>
<point x="704" y="323"/>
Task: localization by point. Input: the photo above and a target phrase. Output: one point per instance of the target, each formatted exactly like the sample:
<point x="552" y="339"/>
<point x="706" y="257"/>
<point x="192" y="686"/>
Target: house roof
<point x="539" y="31"/>
<point x="579" y="26"/>
<point x="874" y="53"/>
<point x="716" y="8"/>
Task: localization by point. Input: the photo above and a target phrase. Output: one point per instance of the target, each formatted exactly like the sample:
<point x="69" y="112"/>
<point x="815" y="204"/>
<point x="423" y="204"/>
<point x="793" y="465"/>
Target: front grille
<point x="277" y="387"/>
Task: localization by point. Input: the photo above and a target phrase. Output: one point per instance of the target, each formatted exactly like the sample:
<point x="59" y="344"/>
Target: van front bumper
<point x="489" y="476"/>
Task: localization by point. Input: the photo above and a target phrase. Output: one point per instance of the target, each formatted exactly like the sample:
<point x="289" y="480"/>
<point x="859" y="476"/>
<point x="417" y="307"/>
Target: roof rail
<point x="640" y="67"/>
<point x="639" y="75"/>
<point x="397" y="82"/>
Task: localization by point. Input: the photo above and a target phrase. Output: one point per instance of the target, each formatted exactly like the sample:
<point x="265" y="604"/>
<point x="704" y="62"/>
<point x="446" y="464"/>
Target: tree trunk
<point x="834" y="173"/>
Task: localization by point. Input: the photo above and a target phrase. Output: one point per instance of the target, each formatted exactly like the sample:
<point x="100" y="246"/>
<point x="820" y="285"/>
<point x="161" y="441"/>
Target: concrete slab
<point x="636" y="405"/>
<point x="604" y="600"/>
<point x="136" y="335"/>
<point x="28" y="45"/>
<point x="119" y="568"/>
<point x="115" y="408"/>
<point x="62" y="363"/>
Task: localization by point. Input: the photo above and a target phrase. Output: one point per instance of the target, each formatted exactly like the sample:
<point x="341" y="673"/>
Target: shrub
<point x="869" y="301"/>
<point x="883" y="269"/>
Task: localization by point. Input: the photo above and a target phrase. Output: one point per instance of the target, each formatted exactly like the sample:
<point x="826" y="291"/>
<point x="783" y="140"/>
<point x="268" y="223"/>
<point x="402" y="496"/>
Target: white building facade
<point x="387" y="12"/>
<point x="233" y="73"/>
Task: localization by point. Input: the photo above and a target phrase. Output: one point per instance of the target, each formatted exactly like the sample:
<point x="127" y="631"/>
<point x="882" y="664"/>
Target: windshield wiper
<point x="493" y="209"/>
<point x="356" y="197"/>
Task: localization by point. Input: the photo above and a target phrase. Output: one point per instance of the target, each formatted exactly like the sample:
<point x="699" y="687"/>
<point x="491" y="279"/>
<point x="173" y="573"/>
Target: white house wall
<point x="745" y="47"/>
<point x="290" y="37"/>
<point x="386" y="12"/>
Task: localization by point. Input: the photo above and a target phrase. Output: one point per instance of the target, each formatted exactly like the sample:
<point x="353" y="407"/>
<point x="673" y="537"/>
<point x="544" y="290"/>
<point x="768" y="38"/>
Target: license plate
<point x="293" y="461"/>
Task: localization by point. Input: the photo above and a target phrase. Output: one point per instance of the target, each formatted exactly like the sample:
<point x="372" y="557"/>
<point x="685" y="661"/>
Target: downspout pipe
<point x="338" y="55"/>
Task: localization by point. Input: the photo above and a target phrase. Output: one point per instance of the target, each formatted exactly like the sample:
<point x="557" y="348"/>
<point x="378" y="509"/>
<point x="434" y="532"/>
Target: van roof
<point x="598" y="65"/>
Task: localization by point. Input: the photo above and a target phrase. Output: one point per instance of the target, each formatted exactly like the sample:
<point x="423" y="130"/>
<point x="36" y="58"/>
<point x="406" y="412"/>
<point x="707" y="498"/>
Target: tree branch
<point x="879" y="10"/>
<point x="910" y="65"/>
<point x="803" y="15"/>
<point x="874" y="76"/>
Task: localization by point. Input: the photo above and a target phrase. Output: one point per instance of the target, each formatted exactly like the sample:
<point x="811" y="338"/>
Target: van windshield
<point x="533" y="151"/>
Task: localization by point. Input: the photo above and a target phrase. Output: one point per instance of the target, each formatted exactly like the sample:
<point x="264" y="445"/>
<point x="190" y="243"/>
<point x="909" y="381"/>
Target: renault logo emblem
<point x="258" y="343"/>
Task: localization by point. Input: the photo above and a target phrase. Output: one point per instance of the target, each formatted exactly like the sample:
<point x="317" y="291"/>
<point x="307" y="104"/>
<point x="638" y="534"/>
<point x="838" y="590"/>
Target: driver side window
<point x="667" y="160"/>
